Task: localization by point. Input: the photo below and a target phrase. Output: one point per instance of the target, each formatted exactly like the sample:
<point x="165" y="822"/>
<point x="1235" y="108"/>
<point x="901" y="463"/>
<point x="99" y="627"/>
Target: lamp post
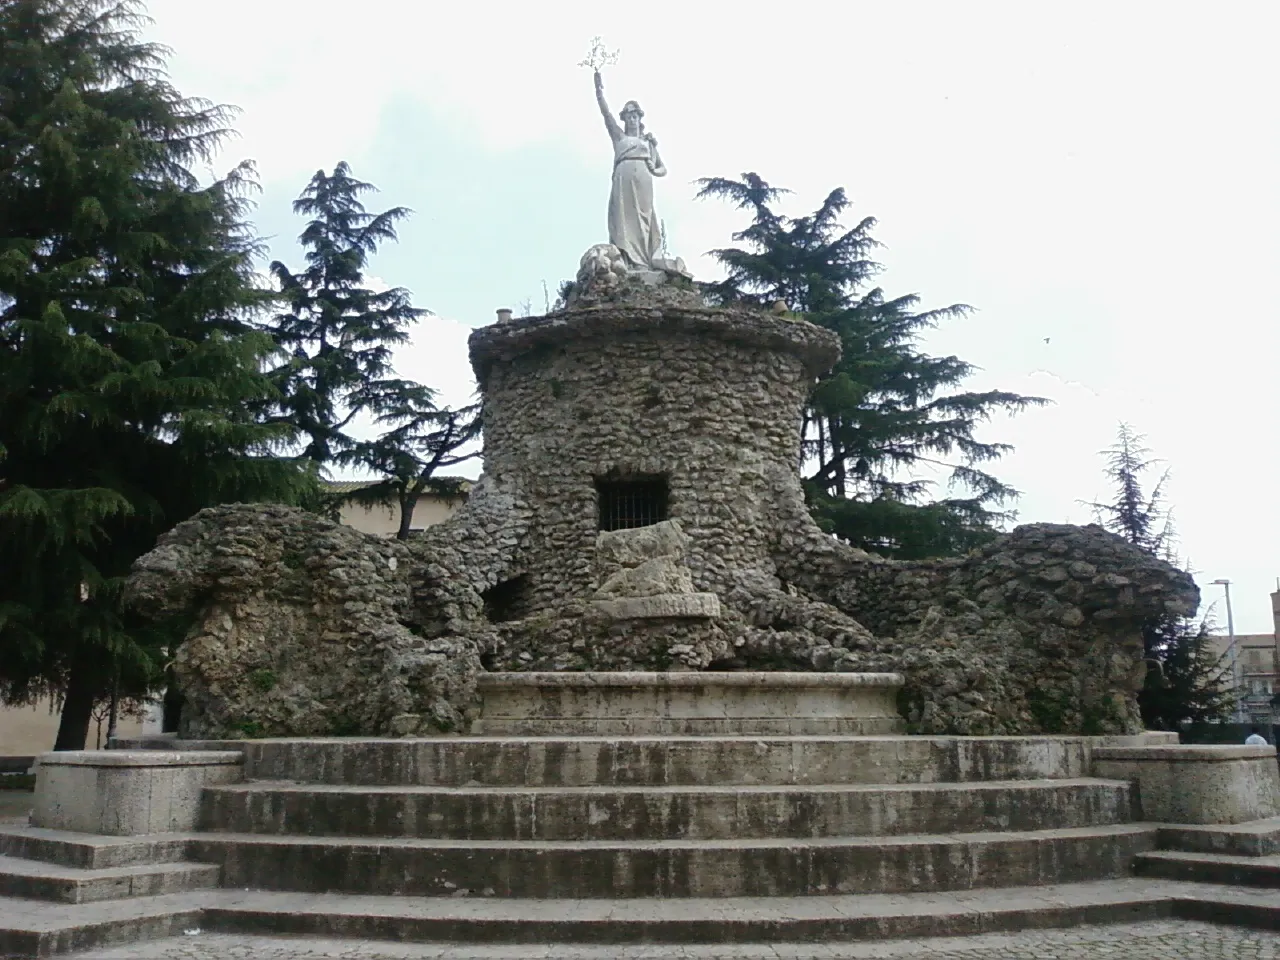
<point x="1231" y="649"/>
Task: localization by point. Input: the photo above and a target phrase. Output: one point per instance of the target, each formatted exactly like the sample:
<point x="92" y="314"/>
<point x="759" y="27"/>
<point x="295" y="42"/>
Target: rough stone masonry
<point x="641" y="509"/>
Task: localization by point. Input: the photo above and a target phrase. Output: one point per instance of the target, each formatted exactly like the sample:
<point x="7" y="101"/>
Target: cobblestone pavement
<point x="1162" y="940"/>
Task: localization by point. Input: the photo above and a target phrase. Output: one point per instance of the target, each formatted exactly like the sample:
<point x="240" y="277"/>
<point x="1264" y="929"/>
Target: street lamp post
<point x="1231" y="649"/>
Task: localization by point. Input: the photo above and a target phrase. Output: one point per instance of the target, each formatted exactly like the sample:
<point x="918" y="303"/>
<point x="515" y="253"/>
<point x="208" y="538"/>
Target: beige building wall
<point x="28" y="731"/>
<point x="384" y="519"/>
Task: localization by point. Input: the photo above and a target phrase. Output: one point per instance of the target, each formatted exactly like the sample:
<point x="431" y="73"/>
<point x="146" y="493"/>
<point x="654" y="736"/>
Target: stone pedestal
<point x="127" y="792"/>
<point x="688" y="704"/>
<point x="1196" y="784"/>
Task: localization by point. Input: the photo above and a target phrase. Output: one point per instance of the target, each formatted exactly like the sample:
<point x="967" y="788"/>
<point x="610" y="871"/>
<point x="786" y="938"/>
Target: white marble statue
<point x="634" y="227"/>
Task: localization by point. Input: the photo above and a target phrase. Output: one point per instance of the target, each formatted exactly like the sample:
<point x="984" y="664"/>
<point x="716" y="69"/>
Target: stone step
<point x="809" y="920"/>
<point x="1254" y="838"/>
<point x="32" y="928"/>
<point x="607" y="761"/>
<point x="673" y="868"/>
<point x="47" y="881"/>
<point x="636" y="813"/>
<point x="1210" y="868"/>
<point x="90" y="851"/>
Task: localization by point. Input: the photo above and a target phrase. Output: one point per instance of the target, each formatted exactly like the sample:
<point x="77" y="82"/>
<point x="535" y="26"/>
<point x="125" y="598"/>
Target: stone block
<point x="127" y="792"/>
<point x="632" y="547"/>
<point x="661" y="575"/>
<point x="665" y="606"/>
<point x="1196" y="784"/>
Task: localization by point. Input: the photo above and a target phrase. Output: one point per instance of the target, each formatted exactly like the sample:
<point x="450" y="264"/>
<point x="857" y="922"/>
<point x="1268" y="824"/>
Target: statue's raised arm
<point x="610" y="124"/>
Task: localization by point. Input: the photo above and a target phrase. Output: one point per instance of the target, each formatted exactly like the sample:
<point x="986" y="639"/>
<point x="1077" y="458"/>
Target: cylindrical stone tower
<point x="616" y="418"/>
<point x="608" y="420"/>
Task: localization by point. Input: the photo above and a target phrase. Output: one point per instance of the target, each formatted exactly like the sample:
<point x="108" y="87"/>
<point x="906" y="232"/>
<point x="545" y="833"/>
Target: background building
<point x="1258" y="658"/>
<point x="384" y="519"/>
<point x="27" y="731"/>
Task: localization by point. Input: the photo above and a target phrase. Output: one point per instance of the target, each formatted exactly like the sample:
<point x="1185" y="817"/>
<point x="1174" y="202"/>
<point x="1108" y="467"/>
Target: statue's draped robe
<point x="633" y="225"/>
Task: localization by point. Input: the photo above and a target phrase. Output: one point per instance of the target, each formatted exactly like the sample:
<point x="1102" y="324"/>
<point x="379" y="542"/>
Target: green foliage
<point x="1139" y="517"/>
<point x="1050" y="714"/>
<point x="263" y="679"/>
<point x="128" y="366"/>
<point x="249" y="728"/>
<point x="345" y="726"/>
<point x="887" y="409"/>
<point x="908" y="531"/>
<point x="337" y="335"/>
<point x="1186" y="684"/>
<point x="563" y="293"/>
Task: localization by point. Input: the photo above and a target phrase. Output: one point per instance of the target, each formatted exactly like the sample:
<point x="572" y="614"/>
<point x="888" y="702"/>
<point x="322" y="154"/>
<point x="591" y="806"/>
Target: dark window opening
<point x="633" y="502"/>
<point x="507" y="600"/>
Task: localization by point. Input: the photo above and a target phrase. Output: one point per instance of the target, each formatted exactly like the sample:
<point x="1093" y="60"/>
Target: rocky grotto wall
<point x="641" y="509"/>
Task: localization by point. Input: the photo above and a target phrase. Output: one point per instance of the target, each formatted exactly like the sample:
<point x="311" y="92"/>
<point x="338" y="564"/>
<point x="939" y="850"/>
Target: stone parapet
<point x="1196" y="784"/>
<point x="728" y="704"/>
<point x="817" y="347"/>
<point x="128" y="792"/>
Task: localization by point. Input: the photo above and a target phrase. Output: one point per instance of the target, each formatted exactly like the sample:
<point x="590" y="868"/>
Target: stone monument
<point x="678" y="690"/>
<point x="641" y="509"/>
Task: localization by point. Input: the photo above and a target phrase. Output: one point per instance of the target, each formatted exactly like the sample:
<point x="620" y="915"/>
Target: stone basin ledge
<point x="685" y="679"/>
<point x="688" y="703"/>
<point x="128" y="793"/>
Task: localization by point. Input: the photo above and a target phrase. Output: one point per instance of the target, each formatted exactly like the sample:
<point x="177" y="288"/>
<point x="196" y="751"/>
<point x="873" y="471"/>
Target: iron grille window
<point x="634" y="502"/>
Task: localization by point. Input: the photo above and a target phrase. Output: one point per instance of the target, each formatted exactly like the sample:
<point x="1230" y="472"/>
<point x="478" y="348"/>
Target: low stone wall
<point x="1196" y="784"/>
<point x="127" y="792"/>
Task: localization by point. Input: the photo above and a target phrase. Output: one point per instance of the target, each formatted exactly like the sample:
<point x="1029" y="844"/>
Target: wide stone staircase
<point x="666" y="817"/>
<point x="569" y="837"/>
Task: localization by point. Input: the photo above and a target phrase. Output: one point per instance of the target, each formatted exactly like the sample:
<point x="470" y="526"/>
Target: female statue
<point x="633" y="226"/>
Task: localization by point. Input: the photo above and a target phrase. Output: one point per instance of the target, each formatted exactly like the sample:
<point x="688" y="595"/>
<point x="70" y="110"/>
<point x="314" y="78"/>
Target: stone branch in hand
<point x="598" y="56"/>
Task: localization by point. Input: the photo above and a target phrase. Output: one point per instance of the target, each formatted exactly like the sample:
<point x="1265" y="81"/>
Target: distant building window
<point x="632" y="502"/>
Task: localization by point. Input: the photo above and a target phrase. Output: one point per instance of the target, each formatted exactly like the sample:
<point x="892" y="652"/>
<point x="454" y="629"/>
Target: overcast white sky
<point x="1103" y="175"/>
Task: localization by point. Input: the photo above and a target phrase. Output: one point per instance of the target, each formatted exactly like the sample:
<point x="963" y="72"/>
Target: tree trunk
<point x="407" y="505"/>
<point x="837" y="457"/>
<point x="77" y="709"/>
<point x="113" y="715"/>
<point x="171" y="711"/>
